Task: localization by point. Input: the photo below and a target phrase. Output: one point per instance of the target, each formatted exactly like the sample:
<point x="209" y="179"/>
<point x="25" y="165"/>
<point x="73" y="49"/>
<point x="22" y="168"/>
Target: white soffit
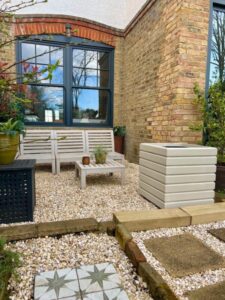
<point x="115" y="13"/>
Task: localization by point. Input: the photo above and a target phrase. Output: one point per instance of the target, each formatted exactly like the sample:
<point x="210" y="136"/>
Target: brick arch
<point x="56" y="25"/>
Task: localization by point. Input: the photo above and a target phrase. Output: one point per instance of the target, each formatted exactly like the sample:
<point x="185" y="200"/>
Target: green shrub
<point x="9" y="261"/>
<point x="212" y="111"/>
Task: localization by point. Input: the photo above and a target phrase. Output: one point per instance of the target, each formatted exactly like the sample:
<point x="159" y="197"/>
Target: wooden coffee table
<point x="110" y="166"/>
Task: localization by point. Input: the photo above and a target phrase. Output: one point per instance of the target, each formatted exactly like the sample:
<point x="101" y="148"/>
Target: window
<point x="80" y="92"/>
<point x="217" y="53"/>
<point x="90" y="81"/>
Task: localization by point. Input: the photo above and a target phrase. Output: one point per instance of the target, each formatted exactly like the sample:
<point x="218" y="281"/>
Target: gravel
<point x="59" y="197"/>
<point x="70" y="251"/>
<point x="188" y="283"/>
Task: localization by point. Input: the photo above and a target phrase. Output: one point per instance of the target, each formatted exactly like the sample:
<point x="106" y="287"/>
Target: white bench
<point x="69" y="146"/>
<point x="39" y="145"/>
<point x="104" y="138"/>
<point x="61" y="146"/>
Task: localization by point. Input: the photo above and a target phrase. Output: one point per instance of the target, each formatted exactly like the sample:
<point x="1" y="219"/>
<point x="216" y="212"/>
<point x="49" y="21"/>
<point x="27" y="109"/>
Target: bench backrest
<point x="74" y="141"/>
<point x="37" y="142"/>
<point x="104" y="138"/>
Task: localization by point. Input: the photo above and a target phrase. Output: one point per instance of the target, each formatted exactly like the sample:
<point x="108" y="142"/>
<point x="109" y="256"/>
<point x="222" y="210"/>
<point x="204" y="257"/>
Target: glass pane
<point x="78" y="77"/>
<point x="217" y="62"/>
<point x="103" y="60"/>
<point x="27" y="70"/>
<point x="85" y="77"/>
<point x="56" y="55"/>
<point x="91" y="59"/>
<point x="42" y="75"/>
<point x="78" y="58"/>
<point x="91" y="77"/>
<point x="103" y="78"/>
<point x="46" y="104"/>
<point x="42" y="54"/>
<point x="57" y="76"/>
<point x="90" y="106"/>
<point x="28" y="51"/>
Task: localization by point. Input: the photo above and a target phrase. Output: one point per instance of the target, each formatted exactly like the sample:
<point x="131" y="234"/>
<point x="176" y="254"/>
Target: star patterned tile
<point x="94" y="282"/>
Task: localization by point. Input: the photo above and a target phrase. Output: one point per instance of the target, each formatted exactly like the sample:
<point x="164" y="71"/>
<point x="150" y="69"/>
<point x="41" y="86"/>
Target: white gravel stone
<point x="70" y="251"/>
<point x="181" y="285"/>
<point x="59" y="197"/>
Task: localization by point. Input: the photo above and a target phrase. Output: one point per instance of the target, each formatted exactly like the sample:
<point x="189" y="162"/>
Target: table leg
<point x="76" y="172"/>
<point x="82" y="179"/>
<point x="123" y="176"/>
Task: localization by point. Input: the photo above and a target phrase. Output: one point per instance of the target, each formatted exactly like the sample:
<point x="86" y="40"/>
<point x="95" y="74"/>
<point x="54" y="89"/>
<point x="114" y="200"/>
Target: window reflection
<point x="46" y="104"/>
<point x="42" y="53"/>
<point x="28" y="52"/>
<point x="217" y="59"/>
<point x="45" y="56"/>
<point x="90" y="68"/>
<point x="90" y="106"/>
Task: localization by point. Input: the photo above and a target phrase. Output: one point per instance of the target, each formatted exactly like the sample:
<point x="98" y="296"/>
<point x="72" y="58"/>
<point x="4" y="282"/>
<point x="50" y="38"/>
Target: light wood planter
<point x="175" y="175"/>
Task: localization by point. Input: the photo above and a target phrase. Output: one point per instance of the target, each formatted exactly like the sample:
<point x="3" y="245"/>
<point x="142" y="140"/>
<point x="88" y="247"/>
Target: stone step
<point x="201" y="214"/>
<point x="157" y="218"/>
<point x="171" y="217"/>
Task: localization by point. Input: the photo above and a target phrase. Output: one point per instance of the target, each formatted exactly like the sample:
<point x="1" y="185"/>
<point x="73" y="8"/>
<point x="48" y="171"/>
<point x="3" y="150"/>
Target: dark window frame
<point x="72" y="42"/>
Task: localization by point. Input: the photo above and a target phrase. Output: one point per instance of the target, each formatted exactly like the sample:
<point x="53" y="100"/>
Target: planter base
<point x="220" y="177"/>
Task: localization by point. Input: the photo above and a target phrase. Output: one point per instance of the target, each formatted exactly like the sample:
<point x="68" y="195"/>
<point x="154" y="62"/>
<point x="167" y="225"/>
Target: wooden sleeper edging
<point x="158" y="287"/>
<point x="28" y="231"/>
<point x="122" y="235"/>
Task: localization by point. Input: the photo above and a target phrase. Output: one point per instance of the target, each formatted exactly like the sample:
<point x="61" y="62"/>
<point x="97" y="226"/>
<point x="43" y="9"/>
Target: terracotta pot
<point x="85" y="160"/>
<point x="119" y="144"/>
<point x="220" y="177"/>
<point x="8" y="148"/>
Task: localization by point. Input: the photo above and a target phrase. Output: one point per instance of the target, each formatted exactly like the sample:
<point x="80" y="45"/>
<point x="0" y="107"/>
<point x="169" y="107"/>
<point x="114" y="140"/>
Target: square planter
<point x="174" y="175"/>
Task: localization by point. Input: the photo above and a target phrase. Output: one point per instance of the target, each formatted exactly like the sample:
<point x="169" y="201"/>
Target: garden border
<point x="35" y="230"/>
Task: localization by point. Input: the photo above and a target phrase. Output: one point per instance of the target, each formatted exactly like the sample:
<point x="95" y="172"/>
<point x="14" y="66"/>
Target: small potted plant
<point x="212" y="124"/>
<point x="119" y="136"/>
<point x="100" y="155"/>
<point x="9" y="140"/>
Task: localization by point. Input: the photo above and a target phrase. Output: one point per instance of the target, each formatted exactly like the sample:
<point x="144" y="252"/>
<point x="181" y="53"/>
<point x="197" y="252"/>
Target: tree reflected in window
<point x="217" y="60"/>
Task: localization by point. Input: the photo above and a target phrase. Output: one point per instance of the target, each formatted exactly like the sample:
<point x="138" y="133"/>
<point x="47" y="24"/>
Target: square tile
<point x="96" y="282"/>
<point x="96" y="278"/>
<point x="55" y="285"/>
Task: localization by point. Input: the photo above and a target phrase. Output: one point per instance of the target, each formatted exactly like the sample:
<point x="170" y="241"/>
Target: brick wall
<point x="7" y="52"/>
<point x="165" y="53"/>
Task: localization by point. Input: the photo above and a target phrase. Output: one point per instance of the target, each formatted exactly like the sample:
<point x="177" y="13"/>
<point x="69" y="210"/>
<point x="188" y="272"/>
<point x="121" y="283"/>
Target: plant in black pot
<point x="119" y="137"/>
<point x="212" y="124"/>
<point x="9" y="140"/>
